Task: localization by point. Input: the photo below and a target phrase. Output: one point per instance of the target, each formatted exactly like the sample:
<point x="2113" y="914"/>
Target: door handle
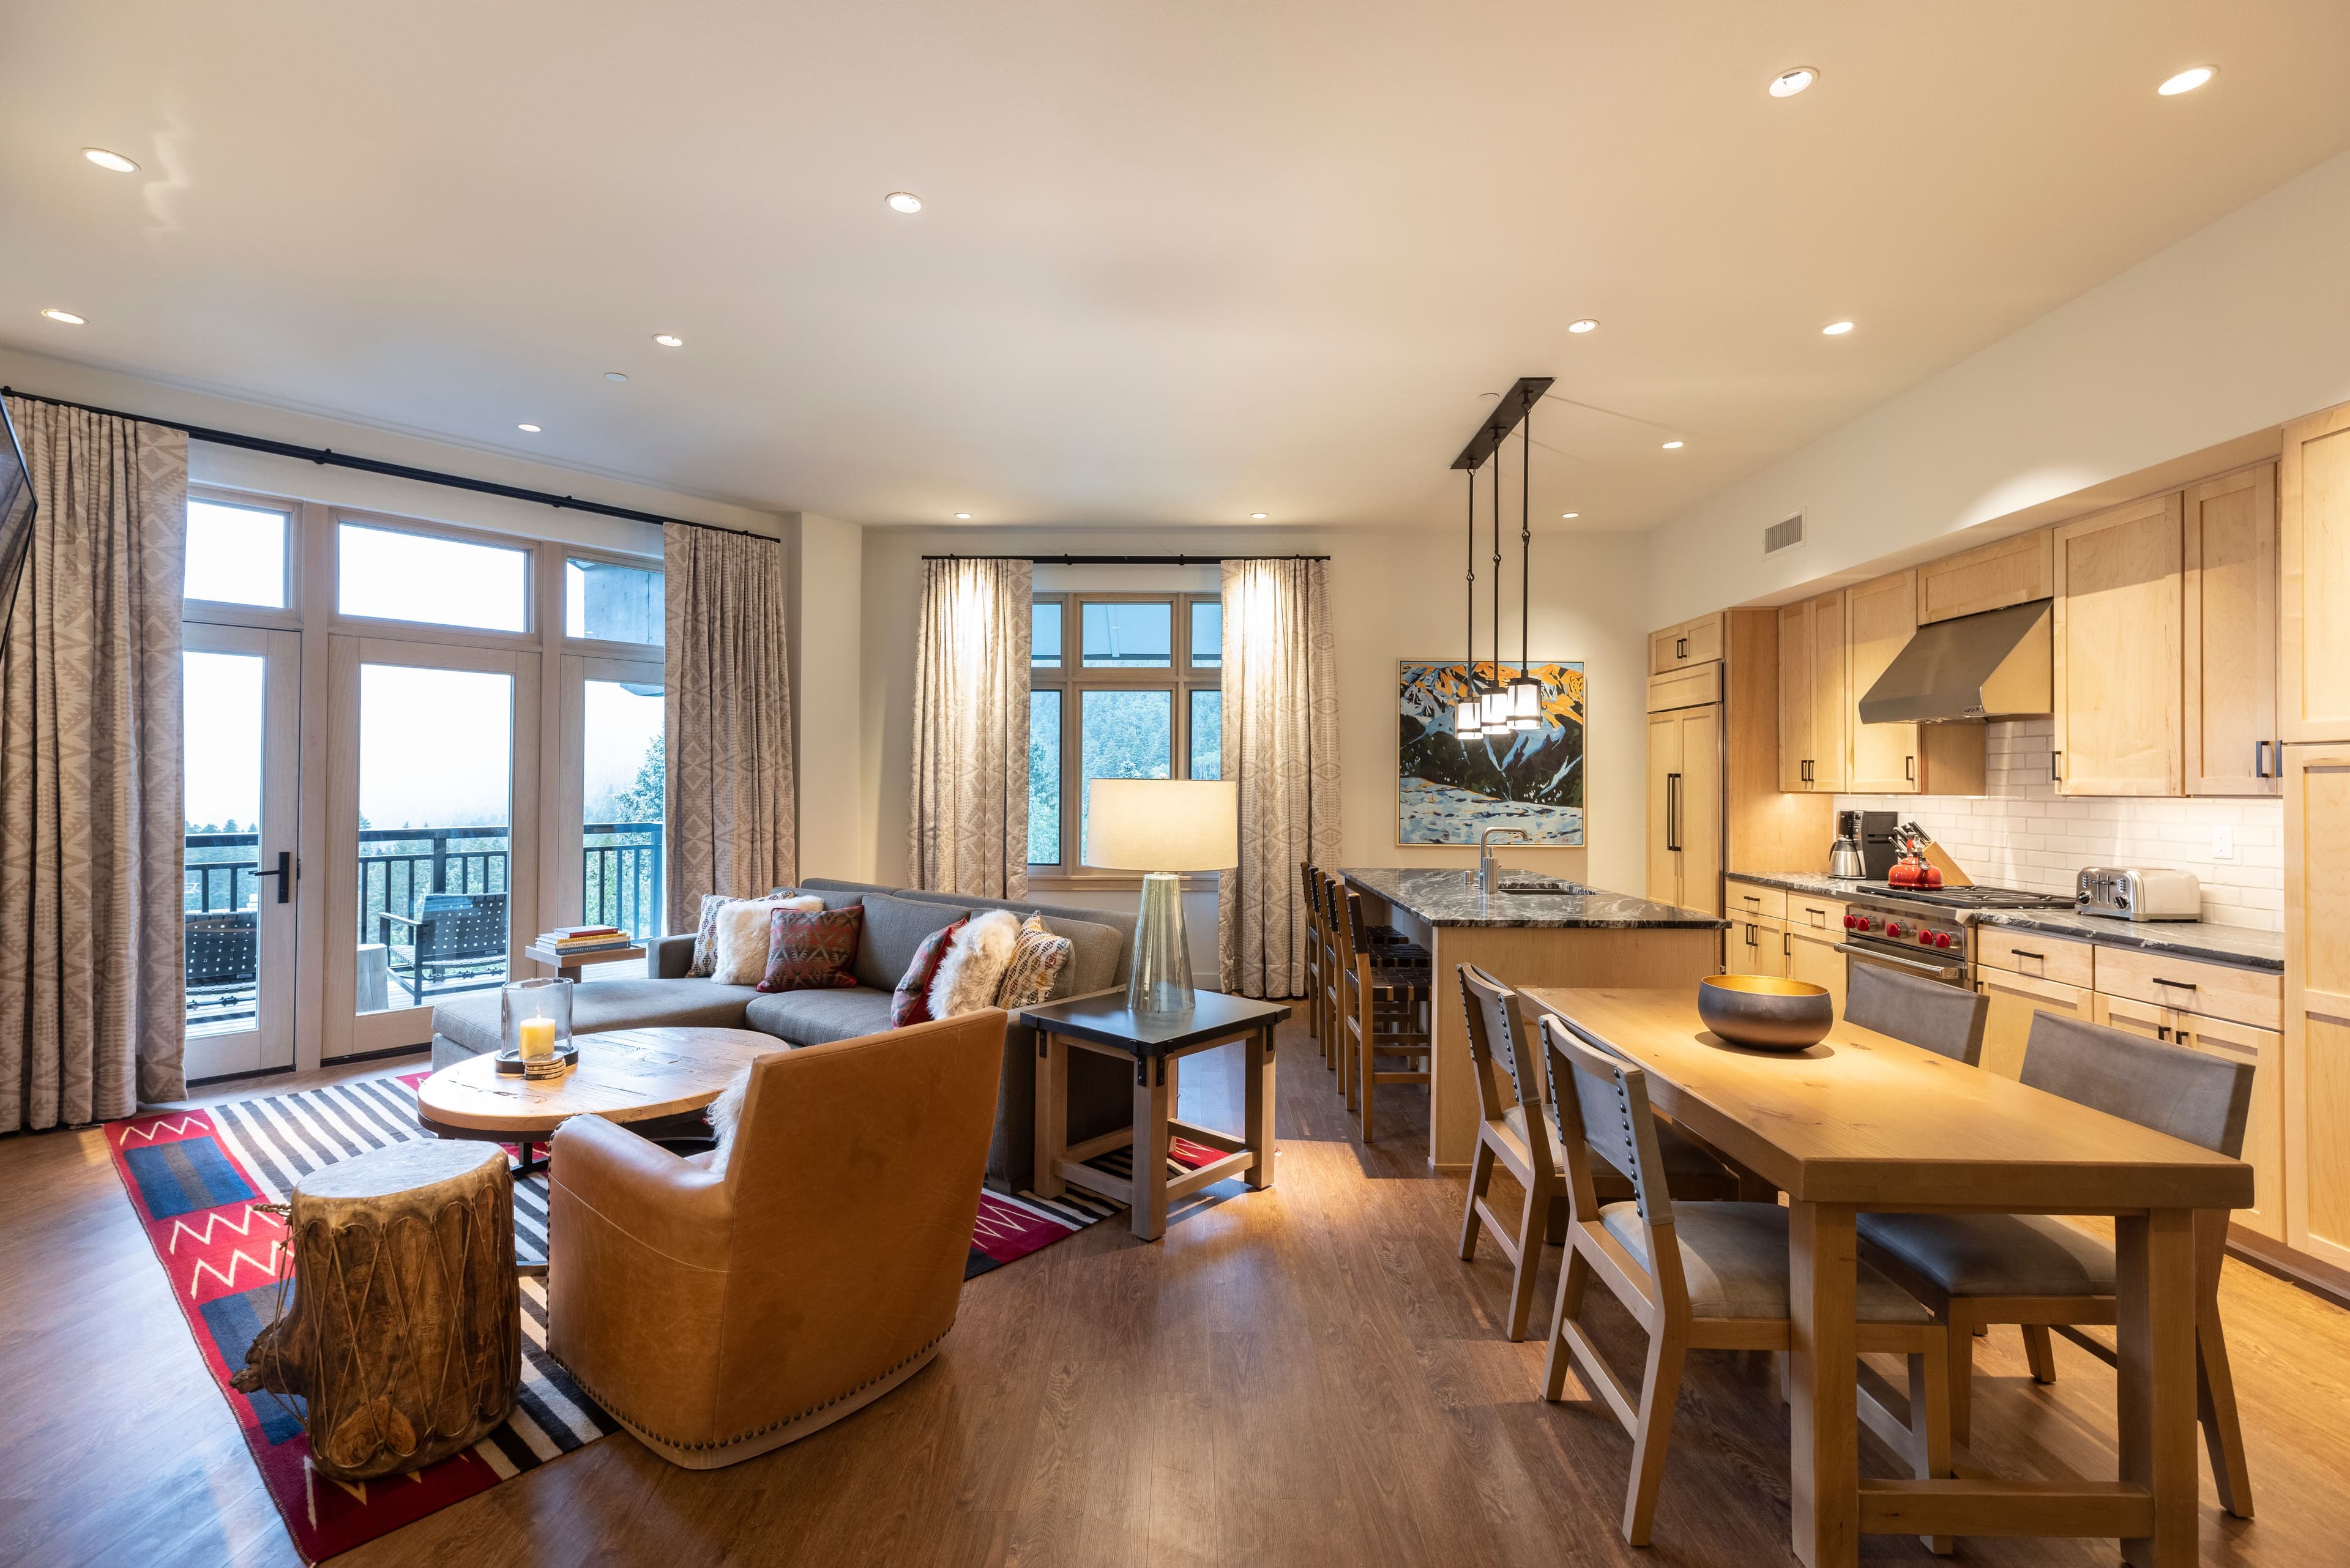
<point x="285" y="875"/>
<point x="2260" y="758"/>
<point x="2055" y="764"/>
<point x="1672" y="811"/>
<point x="1787" y="945"/>
<point x="1909" y="769"/>
<point x="1680" y="648"/>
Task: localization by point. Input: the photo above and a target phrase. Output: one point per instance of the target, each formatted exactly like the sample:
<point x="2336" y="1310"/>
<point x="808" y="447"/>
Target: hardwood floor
<point x="1306" y="1375"/>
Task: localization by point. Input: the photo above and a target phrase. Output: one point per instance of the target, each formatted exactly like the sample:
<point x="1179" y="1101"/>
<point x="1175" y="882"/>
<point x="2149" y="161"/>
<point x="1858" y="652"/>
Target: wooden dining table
<point x="1862" y="1121"/>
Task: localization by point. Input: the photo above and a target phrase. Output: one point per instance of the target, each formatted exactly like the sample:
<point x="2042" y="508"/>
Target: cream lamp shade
<point x="1162" y="824"/>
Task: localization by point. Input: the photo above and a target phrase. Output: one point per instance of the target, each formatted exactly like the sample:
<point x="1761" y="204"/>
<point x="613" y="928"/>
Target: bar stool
<point x="1384" y="1010"/>
<point x="1306" y="876"/>
<point x="1388" y="948"/>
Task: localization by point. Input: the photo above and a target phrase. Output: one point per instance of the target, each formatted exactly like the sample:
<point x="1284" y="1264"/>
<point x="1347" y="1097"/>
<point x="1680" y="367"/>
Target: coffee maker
<point x="1844" y="857"/>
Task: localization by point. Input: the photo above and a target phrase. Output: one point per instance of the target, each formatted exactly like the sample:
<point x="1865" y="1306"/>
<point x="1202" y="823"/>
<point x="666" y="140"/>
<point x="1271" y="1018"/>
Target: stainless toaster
<point x="2138" y="893"/>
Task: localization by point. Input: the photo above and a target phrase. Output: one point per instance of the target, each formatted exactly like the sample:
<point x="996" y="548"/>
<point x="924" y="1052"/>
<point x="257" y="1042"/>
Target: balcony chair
<point x="2041" y="1273"/>
<point x="224" y="949"/>
<point x="1498" y="1036"/>
<point x="1696" y="1276"/>
<point x="459" y="935"/>
<point x="720" y="1314"/>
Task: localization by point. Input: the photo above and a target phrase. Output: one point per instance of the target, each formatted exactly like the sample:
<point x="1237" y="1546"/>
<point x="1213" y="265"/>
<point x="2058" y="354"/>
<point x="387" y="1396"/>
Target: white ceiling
<point x="1179" y="262"/>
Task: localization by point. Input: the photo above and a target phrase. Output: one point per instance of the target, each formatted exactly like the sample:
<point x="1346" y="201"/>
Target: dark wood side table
<point x="1153" y="1042"/>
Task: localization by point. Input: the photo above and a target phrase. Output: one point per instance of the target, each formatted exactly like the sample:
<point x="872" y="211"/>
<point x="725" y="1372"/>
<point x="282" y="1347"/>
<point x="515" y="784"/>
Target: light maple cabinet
<point x="2316" y="1132"/>
<point x="2263" y="1049"/>
<point x="2119" y="627"/>
<point x="1684" y="800"/>
<point x="1690" y="642"/>
<point x="1990" y="576"/>
<point x="2015" y="1000"/>
<point x="1754" y="947"/>
<point x="1810" y="955"/>
<point x="2229" y="642"/>
<point x="2313" y="551"/>
<point x="1811" y="695"/>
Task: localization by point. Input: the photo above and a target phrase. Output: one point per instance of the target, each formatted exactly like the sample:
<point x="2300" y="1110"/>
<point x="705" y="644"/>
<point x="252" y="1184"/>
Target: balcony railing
<point x="620" y="880"/>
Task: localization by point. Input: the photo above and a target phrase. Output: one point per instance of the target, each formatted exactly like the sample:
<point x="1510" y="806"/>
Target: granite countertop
<point x="2239" y="945"/>
<point x="1443" y="896"/>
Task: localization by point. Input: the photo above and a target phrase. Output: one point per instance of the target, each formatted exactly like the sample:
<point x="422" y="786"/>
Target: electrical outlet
<point x="2223" y="844"/>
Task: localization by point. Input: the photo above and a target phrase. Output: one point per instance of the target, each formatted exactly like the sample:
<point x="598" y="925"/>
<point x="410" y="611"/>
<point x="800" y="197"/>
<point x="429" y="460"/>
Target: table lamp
<point x="1161" y="827"/>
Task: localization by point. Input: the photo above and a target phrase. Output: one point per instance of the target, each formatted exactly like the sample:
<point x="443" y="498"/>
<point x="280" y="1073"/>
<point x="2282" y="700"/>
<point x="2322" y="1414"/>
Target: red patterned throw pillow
<point x="911" y="1004"/>
<point x="812" y="950"/>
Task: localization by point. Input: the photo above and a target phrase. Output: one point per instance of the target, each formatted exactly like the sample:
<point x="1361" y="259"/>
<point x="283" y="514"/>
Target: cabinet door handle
<point x="1672" y="811"/>
<point x="1909" y="769"/>
<point x="1787" y="945"/>
<point x="1680" y="648"/>
<point x="2259" y="759"/>
<point x="2177" y="984"/>
<point x="2055" y="764"/>
<point x="2024" y="952"/>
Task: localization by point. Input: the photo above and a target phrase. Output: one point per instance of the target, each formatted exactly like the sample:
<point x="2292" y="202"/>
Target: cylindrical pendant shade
<point x="1162" y="824"/>
<point x="1468" y="720"/>
<point x="1526" y="698"/>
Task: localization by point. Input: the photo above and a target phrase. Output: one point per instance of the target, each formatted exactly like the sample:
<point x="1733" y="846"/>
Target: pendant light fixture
<point x="1495" y="705"/>
<point x="1468" y="718"/>
<point x="1524" y="691"/>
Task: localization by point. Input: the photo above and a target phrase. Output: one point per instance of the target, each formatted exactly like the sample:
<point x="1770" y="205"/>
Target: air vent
<point x="1784" y="535"/>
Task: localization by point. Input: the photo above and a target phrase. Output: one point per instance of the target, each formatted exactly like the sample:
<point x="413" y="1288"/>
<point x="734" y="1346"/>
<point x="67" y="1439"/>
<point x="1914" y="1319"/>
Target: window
<point x="608" y="602"/>
<point x="394" y="576"/>
<point x="237" y="555"/>
<point x="1142" y="699"/>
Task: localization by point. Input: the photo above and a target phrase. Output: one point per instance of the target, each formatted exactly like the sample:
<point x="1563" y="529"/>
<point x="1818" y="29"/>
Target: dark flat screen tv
<point x="15" y="521"/>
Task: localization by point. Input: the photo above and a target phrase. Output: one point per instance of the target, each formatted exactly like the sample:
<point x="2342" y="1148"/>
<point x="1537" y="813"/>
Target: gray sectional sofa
<point x="896" y="921"/>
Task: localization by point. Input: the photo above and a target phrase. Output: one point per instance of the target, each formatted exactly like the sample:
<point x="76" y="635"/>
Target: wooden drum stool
<point x="405" y="1335"/>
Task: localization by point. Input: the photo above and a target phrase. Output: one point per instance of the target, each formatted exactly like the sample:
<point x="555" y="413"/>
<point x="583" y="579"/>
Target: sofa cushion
<point x="894" y="928"/>
<point x="820" y="1017"/>
<point x="811" y="949"/>
<point x="1038" y="957"/>
<point x="1094" y="954"/>
<point x="473" y="1022"/>
<point x="911" y="1004"/>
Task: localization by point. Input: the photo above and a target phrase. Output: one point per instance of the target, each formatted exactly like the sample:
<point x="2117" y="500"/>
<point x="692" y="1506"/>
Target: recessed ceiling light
<point x="1256" y="516"/>
<point x="615" y="375"/>
<point x="962" y="516"/>
<point x="669" y="340"/>
<point x="1835" y="329"/>
<point x="1570" y="515"/>
<point x="114" y="161"/>
<point x="67" y="316"/>
<point x="1787" y="84"/>
<point x="1674" y="445"/>
<point x="2188" y="80"/>
<point x="904" y="202"/>
<point x="527" y="430"/>
<point x="1585" y="325"/>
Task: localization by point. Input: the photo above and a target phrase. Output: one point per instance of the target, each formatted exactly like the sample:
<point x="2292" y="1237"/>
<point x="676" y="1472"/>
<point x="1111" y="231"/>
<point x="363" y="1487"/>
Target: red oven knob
<point x="1850" y="921"/>
<point x="1860" y="923"/>
<point x="1941" y="938"/>
<point x="1925" y="939"/>
<point x="1893" y="930"/>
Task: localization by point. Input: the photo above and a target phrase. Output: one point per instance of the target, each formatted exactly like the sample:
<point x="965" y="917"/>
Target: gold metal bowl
<point x="1765" y="1013"/>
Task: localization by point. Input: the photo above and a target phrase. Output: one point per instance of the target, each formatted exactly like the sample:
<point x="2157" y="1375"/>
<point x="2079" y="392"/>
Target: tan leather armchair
<point x="720" y="1315"/>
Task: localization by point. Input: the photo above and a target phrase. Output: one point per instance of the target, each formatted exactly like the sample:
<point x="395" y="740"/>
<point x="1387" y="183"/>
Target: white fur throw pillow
<point x="742" y="937"/>
<point x="725" y="1115"/>
<point x="975" y="964"/>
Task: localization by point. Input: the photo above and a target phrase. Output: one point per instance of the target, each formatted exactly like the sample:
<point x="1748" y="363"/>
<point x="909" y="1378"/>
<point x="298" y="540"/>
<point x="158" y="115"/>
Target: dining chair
<point x="1696" y="1276"/>
<point x="1498" y="1037"/>
<point x="1383" y="1012"/>
<point x="2038" y="1271"/>
<point x="1939" y="1018"/>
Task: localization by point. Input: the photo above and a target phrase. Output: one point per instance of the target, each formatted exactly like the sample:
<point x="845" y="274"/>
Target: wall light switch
<point x="2223" y="844"/>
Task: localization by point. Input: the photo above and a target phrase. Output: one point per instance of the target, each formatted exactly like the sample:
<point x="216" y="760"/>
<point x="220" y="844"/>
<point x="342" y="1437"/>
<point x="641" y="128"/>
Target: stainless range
<point x="1922" y="930"/>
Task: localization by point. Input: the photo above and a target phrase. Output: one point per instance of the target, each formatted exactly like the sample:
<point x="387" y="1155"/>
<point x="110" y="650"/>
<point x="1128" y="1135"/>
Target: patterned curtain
<point x="1281" y="745"/>
<point x="969" y="827"/>
<point x="732" y="815"/>
<point x="92" y="980"/>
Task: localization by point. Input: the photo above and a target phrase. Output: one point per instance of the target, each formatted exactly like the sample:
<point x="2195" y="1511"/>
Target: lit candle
<point x="537" y="1037"/>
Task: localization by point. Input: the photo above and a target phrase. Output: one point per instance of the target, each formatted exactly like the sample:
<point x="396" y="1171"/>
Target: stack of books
<point x="566" y="940"/>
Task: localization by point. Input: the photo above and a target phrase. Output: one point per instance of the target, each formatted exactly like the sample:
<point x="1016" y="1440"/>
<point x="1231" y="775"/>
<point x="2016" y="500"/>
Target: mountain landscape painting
<point x="1448" y="792"/>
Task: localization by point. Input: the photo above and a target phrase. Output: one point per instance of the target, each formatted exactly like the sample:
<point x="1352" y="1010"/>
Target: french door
<point x="432" y="875"/>
<point x="242" y="760"/>
<point x="606" y="862"/>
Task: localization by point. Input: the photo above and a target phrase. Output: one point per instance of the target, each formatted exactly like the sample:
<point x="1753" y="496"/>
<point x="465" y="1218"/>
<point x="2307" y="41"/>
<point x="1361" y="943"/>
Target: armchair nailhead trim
<point x="636" y="1425"/>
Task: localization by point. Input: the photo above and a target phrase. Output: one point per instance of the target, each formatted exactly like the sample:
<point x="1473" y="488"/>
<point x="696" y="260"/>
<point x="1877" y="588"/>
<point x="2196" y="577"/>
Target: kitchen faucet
<point x="1485" y="853"/>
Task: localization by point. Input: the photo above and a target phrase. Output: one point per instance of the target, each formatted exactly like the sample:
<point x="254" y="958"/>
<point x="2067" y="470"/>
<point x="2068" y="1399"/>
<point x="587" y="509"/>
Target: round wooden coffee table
<point x="626" y="1076"/>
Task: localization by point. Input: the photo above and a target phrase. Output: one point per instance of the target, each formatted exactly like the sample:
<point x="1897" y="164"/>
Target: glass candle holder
<point x="537" y="1023"/>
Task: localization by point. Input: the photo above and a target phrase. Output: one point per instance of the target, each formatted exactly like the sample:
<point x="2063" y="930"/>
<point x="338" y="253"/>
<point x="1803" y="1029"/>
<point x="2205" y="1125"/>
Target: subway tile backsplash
<point x="2023" y="835"/>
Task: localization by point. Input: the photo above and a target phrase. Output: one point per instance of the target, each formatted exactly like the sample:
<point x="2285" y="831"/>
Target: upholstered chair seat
<point x="1996" y="1255"/>
<point x="1734" y="1257"/>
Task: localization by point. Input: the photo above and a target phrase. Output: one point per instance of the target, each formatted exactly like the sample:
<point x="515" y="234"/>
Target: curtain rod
<point x="1126" y="560"/>
<point x="328" y="457"/>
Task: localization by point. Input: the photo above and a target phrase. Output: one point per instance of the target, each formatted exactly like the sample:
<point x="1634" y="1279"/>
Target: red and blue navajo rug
<point x="195" y="1178"/>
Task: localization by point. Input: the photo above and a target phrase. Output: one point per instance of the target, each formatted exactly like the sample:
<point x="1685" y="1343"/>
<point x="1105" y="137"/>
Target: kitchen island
<point x="1578" y="937"/>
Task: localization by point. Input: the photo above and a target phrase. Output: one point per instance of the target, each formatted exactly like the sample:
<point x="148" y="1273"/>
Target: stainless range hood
<point x="1994" y="665"/>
